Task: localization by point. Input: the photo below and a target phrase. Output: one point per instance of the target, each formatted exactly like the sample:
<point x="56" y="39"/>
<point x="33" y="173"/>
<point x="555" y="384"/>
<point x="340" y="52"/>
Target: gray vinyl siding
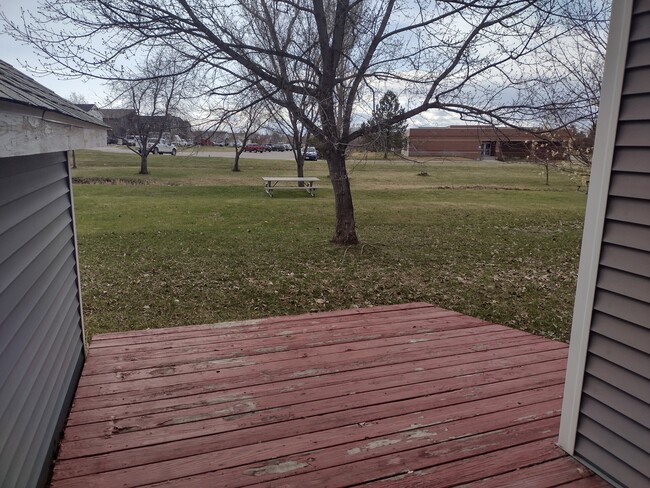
<point x="614" y="424"/>
<point x="41" y="345"/>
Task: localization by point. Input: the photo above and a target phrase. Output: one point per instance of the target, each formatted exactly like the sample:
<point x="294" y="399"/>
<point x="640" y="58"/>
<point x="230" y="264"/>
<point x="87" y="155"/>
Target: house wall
<point x="444" y="141"/>
<point x="41" y="338"/>
<point x="468" y="142"/>
<point x="607" y="423"/>
<point x="124" y="122"/>
<point x="28" y="130"/>
<point x="120" y="126"/>
<point x="614" y="425"/>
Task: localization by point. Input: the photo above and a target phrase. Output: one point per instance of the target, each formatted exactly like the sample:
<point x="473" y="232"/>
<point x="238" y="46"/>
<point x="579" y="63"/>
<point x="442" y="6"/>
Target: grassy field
<point x="196" y="243"/>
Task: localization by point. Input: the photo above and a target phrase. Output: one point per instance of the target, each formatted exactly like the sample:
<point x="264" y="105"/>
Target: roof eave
<point x="29" y="130"/>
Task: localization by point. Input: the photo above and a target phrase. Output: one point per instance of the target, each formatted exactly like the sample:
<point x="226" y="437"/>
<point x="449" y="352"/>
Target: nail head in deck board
<point x="385" y="398"/>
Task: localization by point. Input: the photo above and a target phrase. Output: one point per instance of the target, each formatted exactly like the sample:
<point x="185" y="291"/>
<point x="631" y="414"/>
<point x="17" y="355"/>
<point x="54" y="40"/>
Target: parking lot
<point x="211" y="152"/>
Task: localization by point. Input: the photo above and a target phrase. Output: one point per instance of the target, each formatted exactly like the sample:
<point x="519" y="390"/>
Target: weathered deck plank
<point x="408" y="395"/>
<point x="354" y="380"/>
<point x="310" y="365"/>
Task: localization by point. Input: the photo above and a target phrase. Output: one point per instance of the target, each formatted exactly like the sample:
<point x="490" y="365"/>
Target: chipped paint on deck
<point x="373" y="445"/>
<point x="309" y="372"/>
<point x="238" y="361"/>
<point x="165" y="370"/>
<point x="238" y="323"/>
<point x="227" y="413"/>
<point x="279" y="468"/>
<point x="421" y="434"/>
<point x="264" y="350"/>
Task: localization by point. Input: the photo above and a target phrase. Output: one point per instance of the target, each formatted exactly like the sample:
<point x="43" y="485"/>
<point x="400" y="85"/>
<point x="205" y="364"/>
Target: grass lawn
<point x="196" y="243"/>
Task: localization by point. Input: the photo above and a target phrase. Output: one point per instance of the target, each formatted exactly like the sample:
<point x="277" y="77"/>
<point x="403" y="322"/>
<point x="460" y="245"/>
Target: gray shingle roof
<point x="86" y="106"/>
<point x="18" y="88"/>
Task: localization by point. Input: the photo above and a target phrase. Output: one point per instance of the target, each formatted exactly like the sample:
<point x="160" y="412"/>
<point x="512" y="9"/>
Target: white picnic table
<point x="287" y="183"/>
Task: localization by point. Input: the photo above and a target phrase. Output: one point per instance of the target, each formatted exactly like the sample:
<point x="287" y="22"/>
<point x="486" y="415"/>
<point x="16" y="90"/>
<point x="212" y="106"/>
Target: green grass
<point x="201" y="244"/>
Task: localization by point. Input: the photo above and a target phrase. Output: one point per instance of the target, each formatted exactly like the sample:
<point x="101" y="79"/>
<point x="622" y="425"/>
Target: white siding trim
<point x="48" y="131"/>
<point x="76" y="253"/>
<point x="595" y="218"/>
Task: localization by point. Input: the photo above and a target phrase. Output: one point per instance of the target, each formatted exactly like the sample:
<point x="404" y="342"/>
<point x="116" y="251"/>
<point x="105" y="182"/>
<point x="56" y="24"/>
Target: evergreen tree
<point x="388" y="137"/>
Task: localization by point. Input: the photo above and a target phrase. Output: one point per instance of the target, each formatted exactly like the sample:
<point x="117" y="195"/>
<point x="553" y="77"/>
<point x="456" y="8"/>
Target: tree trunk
<point x="74" y="160"/>
<point x="386" y="144"/>
<point x="235" y="166"/>
<point x="300" y="167"/>
<point x="345" y="231"/>
<point x="297" y="151"/>
<point x="546" y="171"/>
<point x="143" y="164"/>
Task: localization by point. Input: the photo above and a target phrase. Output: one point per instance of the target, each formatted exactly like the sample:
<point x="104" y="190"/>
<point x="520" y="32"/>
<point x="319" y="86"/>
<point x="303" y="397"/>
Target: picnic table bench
<point x="286" y="183"/>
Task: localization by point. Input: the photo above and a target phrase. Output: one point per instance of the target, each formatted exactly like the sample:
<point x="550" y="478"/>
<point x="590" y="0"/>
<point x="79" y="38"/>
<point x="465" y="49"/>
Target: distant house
<point x="214" y="138"/>
<point x="120" y="120"/>
<point x="92" y="109"/>
<point x="606" y="409"/>
<point x="123" y="122"/>
<point x="41" y="328"/>
<point x="479" y="142"/>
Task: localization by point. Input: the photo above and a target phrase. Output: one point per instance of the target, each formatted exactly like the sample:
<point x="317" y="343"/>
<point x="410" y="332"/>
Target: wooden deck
<point x="396" y="396"/>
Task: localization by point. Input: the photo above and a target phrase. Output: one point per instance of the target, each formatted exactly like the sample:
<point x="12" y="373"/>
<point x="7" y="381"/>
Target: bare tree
<point x="463" y="56"/>
<point x="155" y="93"/>
<point x="547" y="150"/>
<point x="77" y="98"/>
<point x="244" y="120"/>
<point x="296" y="132"/>
<point x="573" y="71"/>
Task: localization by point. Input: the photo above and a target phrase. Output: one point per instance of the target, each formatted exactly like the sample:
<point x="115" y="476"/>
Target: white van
<point x="164" y="147"/>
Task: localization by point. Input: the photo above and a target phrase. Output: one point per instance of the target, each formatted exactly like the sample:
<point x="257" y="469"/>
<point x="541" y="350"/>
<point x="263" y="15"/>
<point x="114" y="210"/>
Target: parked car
<point x="182" y="142"/>
<point x="164" y="147"/>
<point x="281" y="147"/>
<point x="311" y="154"/>
<point x="130" y="140"/>
<point x="253" y="147"/>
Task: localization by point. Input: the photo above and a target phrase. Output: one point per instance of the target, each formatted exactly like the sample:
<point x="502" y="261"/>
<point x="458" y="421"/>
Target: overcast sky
<point x="22" y="57"/>
<point x="19" y="55"/>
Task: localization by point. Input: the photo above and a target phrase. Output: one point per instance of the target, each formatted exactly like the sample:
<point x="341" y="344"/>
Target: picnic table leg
<point x="268" y="189"/>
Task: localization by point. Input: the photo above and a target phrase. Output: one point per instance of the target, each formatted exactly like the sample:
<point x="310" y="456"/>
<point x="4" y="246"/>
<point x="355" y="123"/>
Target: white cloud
<point x="435" y="118"/>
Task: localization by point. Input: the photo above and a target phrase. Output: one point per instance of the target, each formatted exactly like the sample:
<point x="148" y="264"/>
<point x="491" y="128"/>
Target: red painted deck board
<point x="405" y="395"/>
